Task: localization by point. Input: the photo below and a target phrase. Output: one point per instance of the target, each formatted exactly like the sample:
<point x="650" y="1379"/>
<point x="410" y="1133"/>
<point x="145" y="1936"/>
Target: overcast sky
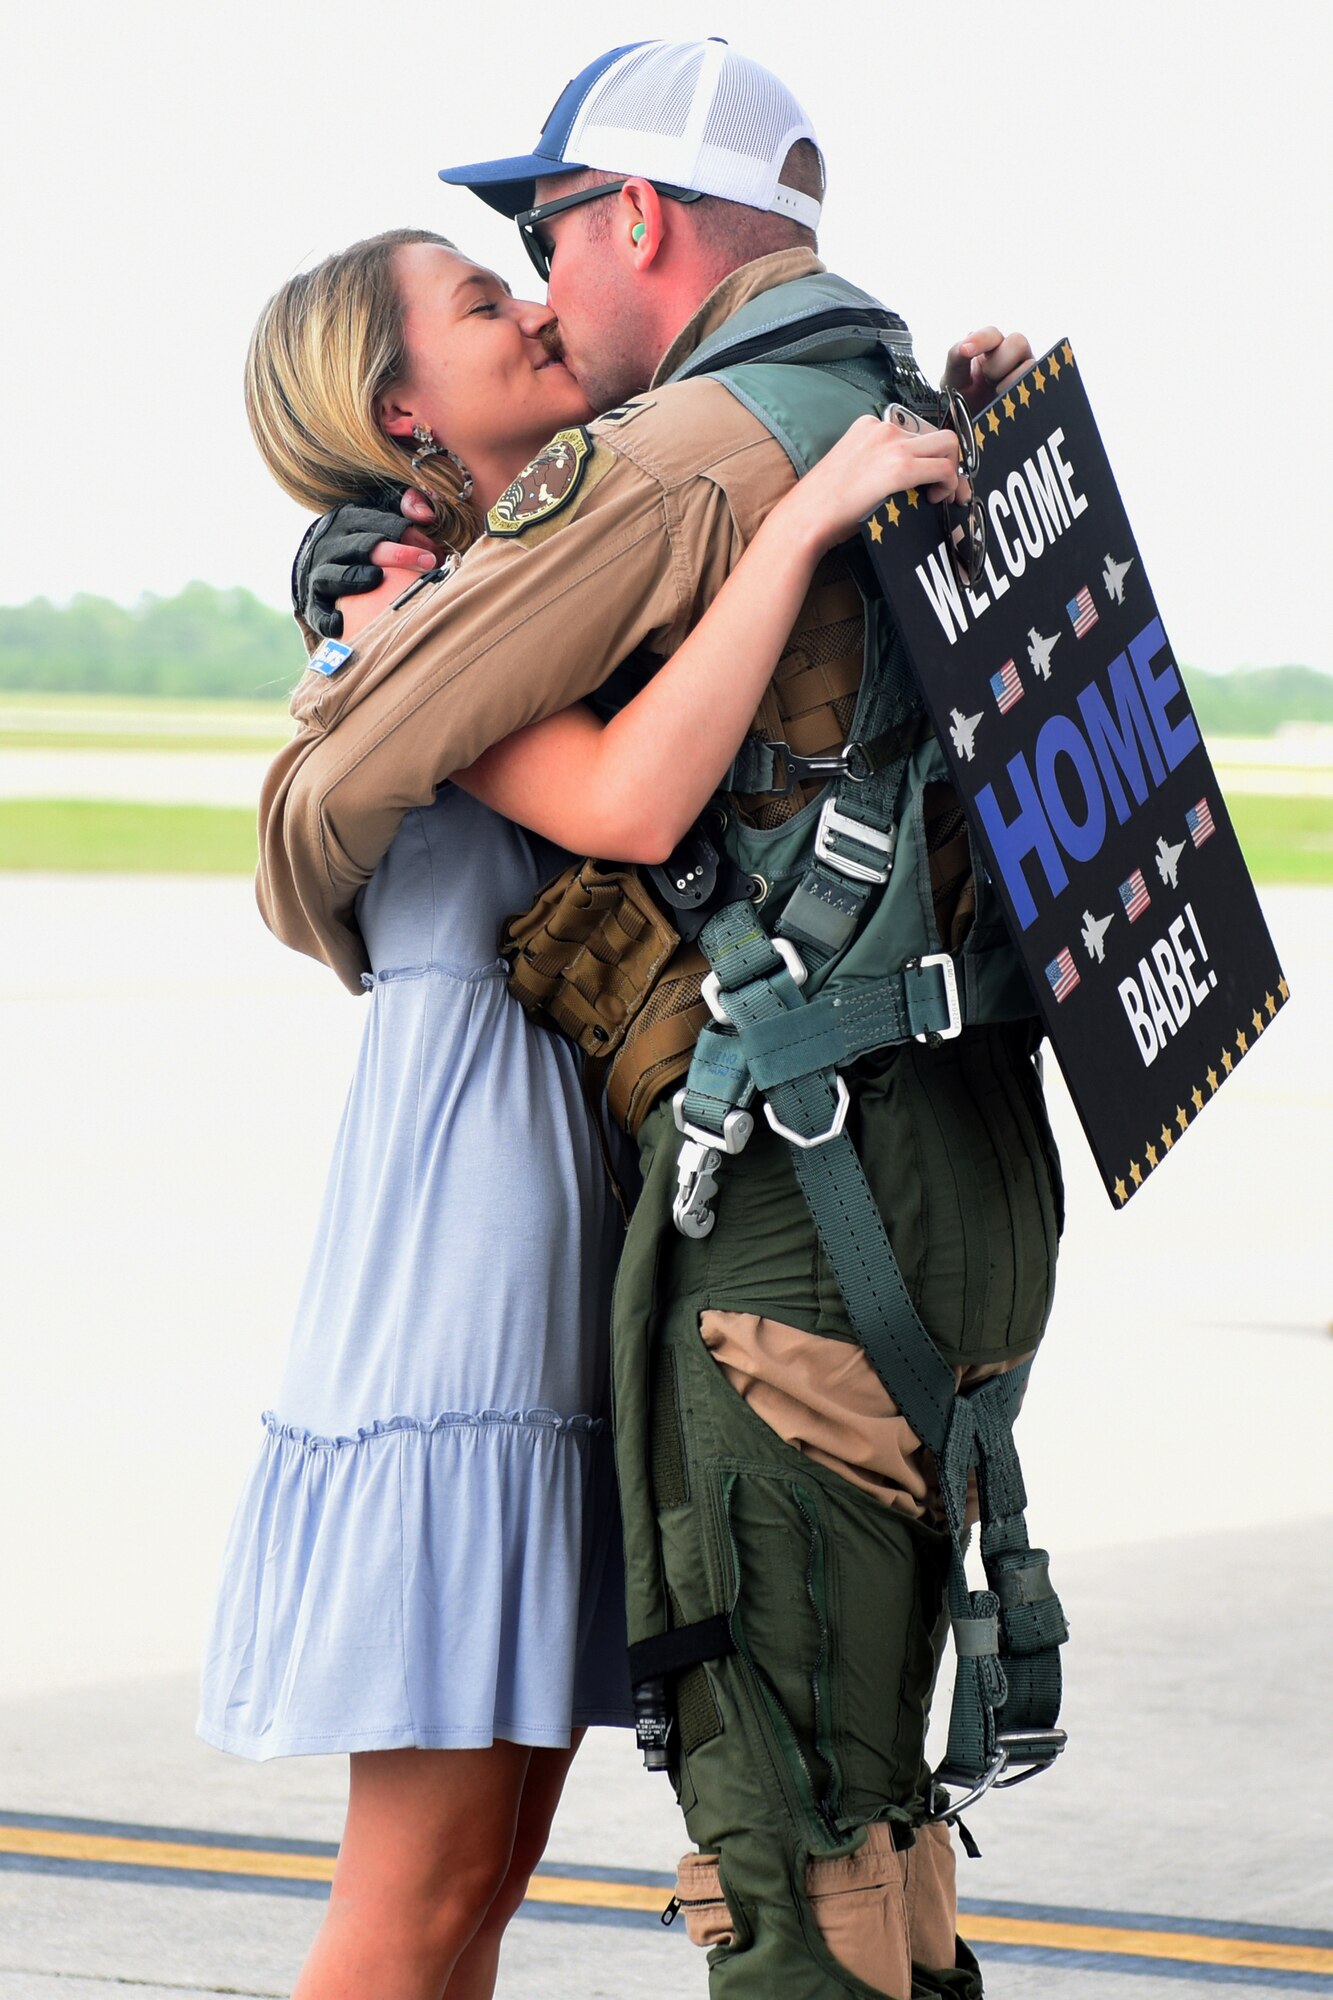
<point x="1151" y="180"/>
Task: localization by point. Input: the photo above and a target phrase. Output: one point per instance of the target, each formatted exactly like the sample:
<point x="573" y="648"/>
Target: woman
<point x="424" y="1570"/>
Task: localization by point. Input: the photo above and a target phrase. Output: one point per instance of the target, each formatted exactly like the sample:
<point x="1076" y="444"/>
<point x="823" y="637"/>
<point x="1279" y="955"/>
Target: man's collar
<point x="780" y="267"/>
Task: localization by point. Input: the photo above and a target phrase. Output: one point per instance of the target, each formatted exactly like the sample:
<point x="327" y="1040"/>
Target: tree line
<point x="201" y="644"/>
<point x="228" y="645"/>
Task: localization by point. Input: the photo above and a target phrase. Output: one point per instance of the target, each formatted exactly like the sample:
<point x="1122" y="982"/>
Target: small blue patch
<point x="331" y="656"/>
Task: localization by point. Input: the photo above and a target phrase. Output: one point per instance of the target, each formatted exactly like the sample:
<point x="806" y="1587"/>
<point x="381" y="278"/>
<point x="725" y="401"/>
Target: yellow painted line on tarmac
<point x="1186" y="1947"/>
<point x="1045" y="1934"/>
<point x="597" y="1895"/>
<point x="116" y="1849"/>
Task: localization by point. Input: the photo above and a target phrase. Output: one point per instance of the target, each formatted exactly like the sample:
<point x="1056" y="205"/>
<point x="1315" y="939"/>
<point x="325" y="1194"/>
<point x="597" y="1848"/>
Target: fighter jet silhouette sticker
<point x="1113" y="576"/>
<point x="1095" y="815"/>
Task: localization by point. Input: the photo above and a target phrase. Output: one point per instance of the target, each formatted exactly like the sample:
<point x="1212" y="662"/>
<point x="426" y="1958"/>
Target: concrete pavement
<point x="173" y="1082"/>
<point x="1191" y="1808"/>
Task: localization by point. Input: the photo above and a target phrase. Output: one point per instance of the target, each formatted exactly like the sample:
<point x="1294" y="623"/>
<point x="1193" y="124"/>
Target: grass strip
<point x="77" y="836"/>
<point x="69" y="739"/>
<point x="1283" y="839"/>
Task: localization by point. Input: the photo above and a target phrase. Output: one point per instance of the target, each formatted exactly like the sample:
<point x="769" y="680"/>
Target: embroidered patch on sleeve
<point x="543" y="487"/>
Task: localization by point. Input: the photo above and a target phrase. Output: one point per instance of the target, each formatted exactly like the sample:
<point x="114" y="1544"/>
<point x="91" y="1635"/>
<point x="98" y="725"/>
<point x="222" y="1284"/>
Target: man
<point x="776" y="1498"/>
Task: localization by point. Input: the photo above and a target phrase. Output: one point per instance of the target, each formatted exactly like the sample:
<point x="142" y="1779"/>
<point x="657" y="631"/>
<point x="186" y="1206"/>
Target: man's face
<point x="609" y="346"/>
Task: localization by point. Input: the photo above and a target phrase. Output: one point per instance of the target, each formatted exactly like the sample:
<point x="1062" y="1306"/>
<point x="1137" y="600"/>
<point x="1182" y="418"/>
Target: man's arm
<point x="530" y="624"/>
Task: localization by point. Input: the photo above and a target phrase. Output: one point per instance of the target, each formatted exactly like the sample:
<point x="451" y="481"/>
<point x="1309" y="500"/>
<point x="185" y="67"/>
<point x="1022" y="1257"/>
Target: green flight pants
<point x="798" y="1758"/>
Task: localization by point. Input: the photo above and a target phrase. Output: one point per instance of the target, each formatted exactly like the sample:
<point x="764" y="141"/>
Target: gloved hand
<point x="333" y="560"/>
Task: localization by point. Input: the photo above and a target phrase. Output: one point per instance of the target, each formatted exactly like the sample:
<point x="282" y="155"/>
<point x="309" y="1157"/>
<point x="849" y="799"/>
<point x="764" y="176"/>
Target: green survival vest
<point x="834" y="955"/>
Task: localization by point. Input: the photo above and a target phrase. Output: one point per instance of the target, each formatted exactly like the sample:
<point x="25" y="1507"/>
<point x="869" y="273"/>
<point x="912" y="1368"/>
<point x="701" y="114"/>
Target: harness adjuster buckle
<point x="807" y="1142"/>
<point x="880" y="841"/>
<point x="711" y="989"/>
<point x="733" y="1138"/>
<point x="949" y="972"/>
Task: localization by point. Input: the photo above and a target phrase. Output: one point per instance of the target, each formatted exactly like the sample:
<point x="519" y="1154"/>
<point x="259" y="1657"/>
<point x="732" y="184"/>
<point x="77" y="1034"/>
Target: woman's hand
<point x="874" y="459"/>
<point x="401" y="561"/>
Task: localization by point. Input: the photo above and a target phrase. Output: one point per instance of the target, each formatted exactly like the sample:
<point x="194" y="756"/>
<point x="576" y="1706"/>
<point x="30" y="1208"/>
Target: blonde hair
<point x="326" y="348"/>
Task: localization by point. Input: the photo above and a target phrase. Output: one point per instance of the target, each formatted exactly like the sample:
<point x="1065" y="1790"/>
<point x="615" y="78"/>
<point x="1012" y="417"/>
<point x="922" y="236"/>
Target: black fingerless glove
<point x="333" y="559"/>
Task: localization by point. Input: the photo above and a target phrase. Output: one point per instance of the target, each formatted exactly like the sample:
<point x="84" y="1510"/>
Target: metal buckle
<point x="851" y="763"/>
<point x="711" y="989"/>
<point x="696" y="1187"/>
<point x="696" y="1167"/>
<point x="733" y="1138"/>
<point x="950" y="971"/>
<point x="844" y="1098"/>
<point x="1045" y="1746"/>
<point x="831" y="821"/>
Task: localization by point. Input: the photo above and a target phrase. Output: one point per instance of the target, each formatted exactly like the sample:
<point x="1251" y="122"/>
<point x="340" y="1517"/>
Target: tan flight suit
<point x="674" y="489"/>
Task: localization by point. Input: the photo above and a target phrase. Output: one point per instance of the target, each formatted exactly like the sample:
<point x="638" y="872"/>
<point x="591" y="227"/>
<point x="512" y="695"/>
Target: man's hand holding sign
<point x="1072" y="743"/>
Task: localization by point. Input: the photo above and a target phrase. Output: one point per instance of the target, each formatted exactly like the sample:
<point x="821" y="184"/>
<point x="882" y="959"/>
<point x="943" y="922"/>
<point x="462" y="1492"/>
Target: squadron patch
<point x="543" y="487"/>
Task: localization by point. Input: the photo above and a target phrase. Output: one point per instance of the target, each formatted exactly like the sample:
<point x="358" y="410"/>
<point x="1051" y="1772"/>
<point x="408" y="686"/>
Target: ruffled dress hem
<point x="532" y="1735"/>
<point x="380" y="1577"/>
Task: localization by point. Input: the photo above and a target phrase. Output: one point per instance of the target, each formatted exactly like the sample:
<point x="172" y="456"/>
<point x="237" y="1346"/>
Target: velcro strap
<point x="686" y="1646"/>
<point x="1034" y="1628"/>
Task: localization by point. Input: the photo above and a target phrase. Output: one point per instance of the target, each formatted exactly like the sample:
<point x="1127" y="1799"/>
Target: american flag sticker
<point x="1134" y="895"/>
<point x="1082" y="612"/>
<point x="1199" y="820"/>
<point x="1006" y="687"/>
<point x="1063" y="974"/>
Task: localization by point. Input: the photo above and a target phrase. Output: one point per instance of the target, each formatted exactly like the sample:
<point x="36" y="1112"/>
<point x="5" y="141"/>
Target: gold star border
<point x="1021" y="395"/>
<point x="1042" y="372"/>
<point x="1156" y="1148"/>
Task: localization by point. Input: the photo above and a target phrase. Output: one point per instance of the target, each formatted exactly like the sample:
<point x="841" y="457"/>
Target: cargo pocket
<point x="859" y="1905"/>
<point x="708" y="1920"/>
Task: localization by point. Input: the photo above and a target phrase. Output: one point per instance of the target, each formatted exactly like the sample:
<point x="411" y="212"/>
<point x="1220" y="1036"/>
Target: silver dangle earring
<point x="428" y="448"/>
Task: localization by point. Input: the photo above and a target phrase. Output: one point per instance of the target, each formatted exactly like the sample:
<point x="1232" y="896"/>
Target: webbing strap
<point x="857" y="1245"/>
<point x="684" y="1646"/>
<point x="833" y="1029"/>
<point x="1016" y="1693"/>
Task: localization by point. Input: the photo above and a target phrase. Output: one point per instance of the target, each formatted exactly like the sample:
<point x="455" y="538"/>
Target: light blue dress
<point x="428" y="1551"/>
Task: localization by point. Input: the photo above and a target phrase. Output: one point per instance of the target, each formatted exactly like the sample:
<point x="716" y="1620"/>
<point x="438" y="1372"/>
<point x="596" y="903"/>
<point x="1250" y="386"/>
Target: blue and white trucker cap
<point x="690" y="114"/>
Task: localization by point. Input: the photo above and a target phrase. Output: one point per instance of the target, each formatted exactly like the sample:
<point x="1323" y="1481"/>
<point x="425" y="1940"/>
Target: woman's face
<point x="477" y="371"/>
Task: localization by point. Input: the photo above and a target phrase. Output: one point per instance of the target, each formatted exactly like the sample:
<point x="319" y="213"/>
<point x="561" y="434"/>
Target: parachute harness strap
<point x="769" y="1037"/>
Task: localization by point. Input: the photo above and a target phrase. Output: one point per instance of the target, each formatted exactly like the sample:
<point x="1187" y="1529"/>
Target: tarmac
<point x="173" y="1082"/>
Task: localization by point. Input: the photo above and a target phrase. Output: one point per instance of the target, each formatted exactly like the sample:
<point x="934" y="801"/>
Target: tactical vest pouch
<point x="597" y="958"/>
<point x="659" y="1041"/>
<point x="586" y="955"/>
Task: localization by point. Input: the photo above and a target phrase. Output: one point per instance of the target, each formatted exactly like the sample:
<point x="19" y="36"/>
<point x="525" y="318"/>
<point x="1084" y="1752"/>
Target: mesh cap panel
<point x="652" y="90"/>
<point x="697" y="115"/>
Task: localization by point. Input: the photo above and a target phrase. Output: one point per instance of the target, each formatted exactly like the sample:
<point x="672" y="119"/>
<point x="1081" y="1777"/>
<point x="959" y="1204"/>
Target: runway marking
<point x="1205" y="1950"/>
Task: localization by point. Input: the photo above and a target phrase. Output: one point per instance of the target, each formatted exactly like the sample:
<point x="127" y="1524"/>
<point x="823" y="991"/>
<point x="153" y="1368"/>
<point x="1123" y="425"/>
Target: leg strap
<point x="1008" y="1684"/>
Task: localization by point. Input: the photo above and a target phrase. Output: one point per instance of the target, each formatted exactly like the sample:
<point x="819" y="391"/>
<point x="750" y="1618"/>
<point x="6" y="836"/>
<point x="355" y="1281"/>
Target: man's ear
<point x="395" y="419"/>
<point x="639" y="224"/>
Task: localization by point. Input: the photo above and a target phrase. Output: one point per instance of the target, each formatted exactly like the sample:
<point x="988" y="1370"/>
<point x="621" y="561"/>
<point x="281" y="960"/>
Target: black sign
<point x="1077" y="756"/>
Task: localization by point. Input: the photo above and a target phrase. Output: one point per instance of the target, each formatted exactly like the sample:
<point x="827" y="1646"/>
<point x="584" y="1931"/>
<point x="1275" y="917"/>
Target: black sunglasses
<point x="530" y="220"/>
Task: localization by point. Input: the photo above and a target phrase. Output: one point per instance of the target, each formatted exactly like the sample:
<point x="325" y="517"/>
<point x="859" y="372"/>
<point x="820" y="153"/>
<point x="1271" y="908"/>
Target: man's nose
<point x="532" y="317"/>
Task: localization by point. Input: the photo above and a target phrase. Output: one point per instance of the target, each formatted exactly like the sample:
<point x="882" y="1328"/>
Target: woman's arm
<point x="630" y="788"/>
